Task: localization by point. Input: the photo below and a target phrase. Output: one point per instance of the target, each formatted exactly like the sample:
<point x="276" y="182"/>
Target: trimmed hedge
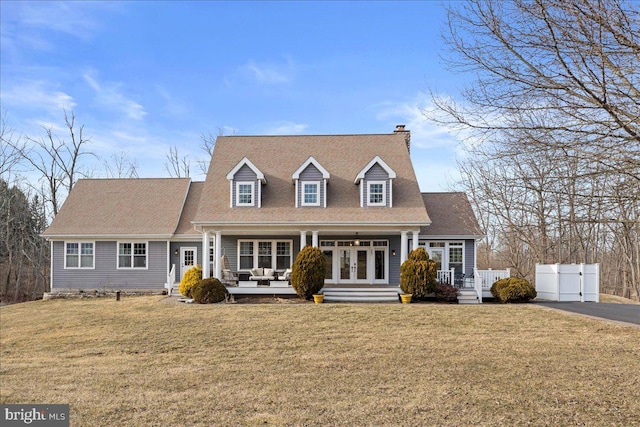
<point x="308" y="271"/>
<point x="208" y="291"/>
<point x="418" y="274"/>
<point x="190" y="278"/>
<point x="513" y="289"/>
<point x="446" y="292"/>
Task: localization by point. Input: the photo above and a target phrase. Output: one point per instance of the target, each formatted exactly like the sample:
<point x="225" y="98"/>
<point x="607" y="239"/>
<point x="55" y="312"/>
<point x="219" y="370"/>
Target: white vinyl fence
<point x="568" y="282"/>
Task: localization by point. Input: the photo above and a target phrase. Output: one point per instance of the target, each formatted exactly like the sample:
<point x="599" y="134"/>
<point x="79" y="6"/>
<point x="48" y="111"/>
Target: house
<point x="355" y="197"/>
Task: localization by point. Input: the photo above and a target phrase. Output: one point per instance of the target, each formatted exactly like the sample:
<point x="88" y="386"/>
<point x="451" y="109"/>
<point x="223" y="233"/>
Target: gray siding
<point x="106" y="275"/>
<point x="376" y="173"/>
<point x="311" y="173"/>
<point x="245" y="174"/>
<point x="175" y="259"/>
<point x="469" y="260"/>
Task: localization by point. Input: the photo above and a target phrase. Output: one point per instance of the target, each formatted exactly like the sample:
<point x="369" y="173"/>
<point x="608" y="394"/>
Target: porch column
<point x="314" y="239"/>
<point x="303" y="239"/>
<point x="404" y="246"/>
<point x="216" y="255"/>
<point x="415" y="239"/>
<point x="205" y="255"/>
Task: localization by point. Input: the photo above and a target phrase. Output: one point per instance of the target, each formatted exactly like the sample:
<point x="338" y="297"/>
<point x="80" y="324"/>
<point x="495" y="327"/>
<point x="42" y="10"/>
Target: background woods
<point x="552" y="132"/>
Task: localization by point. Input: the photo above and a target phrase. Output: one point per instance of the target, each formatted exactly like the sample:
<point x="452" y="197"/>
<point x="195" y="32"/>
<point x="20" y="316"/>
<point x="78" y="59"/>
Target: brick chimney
<point x="407" y="135"/>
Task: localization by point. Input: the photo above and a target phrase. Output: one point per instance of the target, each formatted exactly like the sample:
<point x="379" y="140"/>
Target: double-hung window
<point x="132" y="255"/>
<point x="246" y="255"/>
<point x="244" y="193"/>
<point x="377" y="191"/>
<point x="310" y="194"/>
<point x="79" y="255"/>
<point x="456" y="256"/>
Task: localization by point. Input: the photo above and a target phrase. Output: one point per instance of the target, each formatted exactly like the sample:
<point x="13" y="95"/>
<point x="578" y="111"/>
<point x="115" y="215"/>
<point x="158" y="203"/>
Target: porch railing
<point x="446" y="276"/>
<point x="170" y="278"/>
<point x="486" y="278"/>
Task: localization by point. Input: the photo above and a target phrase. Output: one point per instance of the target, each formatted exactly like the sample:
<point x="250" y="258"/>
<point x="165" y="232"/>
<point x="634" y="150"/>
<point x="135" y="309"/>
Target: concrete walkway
<point x="629" y="313"/>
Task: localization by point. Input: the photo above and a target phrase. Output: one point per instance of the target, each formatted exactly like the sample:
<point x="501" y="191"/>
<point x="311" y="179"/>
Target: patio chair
<point x="229" y="277"/>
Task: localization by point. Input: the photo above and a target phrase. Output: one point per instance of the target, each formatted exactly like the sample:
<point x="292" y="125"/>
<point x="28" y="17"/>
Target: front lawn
<point x="144" y="361"/>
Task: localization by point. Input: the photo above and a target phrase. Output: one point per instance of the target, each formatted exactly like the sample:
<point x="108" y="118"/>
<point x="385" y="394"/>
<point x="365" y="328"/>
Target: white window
<point x="377" y="192"/>
<point x="310" y="194"/>
<point x="132" y="255"/>
<point x="264" y="253"/>
<point x="456" y="256"/>
<point x="79" y="255"/>
<point x="244" y="193"/>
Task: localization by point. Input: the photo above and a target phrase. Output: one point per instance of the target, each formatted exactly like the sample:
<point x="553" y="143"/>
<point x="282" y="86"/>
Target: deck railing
<point x="485" y="278"/>
<point x="446" y="276"/>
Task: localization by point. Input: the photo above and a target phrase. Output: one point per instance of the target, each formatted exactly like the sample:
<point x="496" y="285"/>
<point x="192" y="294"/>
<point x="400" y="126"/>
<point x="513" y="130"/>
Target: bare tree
<point x="10" y="147"/>
<point x="177" y="166"/>
<point x="552" y="127"/>
<point x="208" y="143"/>
<point x="120" y="166"/>
<point x="57" y="160"/>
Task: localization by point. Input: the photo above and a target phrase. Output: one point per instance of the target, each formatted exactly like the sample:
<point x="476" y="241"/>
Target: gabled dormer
<point x="245" y="185"/>
<point x="310" y="180"/>
<point x="376" y="184"/>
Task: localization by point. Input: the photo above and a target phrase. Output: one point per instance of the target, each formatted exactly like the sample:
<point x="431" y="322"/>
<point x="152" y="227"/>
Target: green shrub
<point x="208" y="291"/>
<point x="308" y="271"/>
<point x="446" y="292"/>
<point x="190" y="278"/>
<point x="513" y="289"/>
<point x="418" y="274"/>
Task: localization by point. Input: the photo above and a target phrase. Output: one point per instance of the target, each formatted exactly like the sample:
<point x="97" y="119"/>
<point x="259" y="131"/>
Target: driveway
<point x="629" y="313"/>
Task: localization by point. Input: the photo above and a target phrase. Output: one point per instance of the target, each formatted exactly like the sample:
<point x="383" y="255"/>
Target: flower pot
<point x="406" y="298"/>
<point x="318" y="298"/>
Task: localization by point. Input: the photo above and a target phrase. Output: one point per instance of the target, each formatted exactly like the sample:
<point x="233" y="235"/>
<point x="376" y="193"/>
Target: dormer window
<point x="310" y="180"/>
<point x="377" y="191"/>
<point x="376" y="184"/>
<point x="310" y="194"/>
<point x="245" y="185"/>
<point x="244" y="193"/>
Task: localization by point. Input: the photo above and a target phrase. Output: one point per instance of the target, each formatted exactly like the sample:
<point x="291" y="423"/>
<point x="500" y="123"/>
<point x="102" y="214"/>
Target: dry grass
<point x="142" y="361"/>
<point x="616" y="299"/>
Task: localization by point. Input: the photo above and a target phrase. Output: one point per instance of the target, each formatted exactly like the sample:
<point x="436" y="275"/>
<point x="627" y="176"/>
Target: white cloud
<point x="271" y="72"/>
<point x="110" y="94"/>
<point x="286" y="128"/>
<point x="424" y="134"/>
<point x="37" y="94"/>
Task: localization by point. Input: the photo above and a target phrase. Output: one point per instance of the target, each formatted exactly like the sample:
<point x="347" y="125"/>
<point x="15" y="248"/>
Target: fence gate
<point x="568" y="282"/>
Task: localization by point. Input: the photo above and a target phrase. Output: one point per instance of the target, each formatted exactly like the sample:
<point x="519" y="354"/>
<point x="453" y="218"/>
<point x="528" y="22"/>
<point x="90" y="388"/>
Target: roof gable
<point x="248" y="163"/>
<point x="314" y="162"/>
<point x="378" y="160"/>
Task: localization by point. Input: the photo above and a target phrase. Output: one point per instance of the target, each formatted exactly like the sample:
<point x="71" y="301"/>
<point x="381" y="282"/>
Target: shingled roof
<point x="121" y="207"/>
<point x="343" y="156"/>
<point x="451" y="215"/>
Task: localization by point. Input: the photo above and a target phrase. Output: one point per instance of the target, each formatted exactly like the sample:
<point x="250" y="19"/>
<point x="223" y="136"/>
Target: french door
<point x="354" y="265"/>
<point x="363" y="264"/>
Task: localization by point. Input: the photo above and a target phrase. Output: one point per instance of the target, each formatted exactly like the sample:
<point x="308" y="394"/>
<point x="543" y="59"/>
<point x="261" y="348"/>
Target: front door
<point x="353" y="265"/>
<point x="188" y="257"/>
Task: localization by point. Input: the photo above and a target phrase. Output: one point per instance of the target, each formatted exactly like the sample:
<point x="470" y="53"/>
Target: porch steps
<point x="467" y="296"/>
<point x="175" y="292"/>
<point x="361" y="294"/>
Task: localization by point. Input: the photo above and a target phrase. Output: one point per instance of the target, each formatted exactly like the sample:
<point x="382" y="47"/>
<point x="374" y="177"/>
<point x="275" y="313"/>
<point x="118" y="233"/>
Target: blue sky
<point x="145" y="76"/>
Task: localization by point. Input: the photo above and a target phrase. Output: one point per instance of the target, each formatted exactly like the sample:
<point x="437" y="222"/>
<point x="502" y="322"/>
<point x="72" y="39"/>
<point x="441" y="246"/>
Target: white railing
<point x="445" y="276"/>
<point x="477" y="284"/>
<point x="170" y="278"/>
<point x="485" y="278"/>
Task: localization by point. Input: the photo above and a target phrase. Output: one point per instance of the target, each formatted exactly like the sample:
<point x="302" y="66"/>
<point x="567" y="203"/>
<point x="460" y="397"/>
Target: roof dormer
<point x="376" y="184"/>
<point x="310" y="180"/>
<point x="245" y="185"/>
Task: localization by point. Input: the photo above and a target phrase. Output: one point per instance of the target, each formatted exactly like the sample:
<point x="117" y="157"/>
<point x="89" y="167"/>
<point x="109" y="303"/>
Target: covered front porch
<point x="355" y="256"/>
